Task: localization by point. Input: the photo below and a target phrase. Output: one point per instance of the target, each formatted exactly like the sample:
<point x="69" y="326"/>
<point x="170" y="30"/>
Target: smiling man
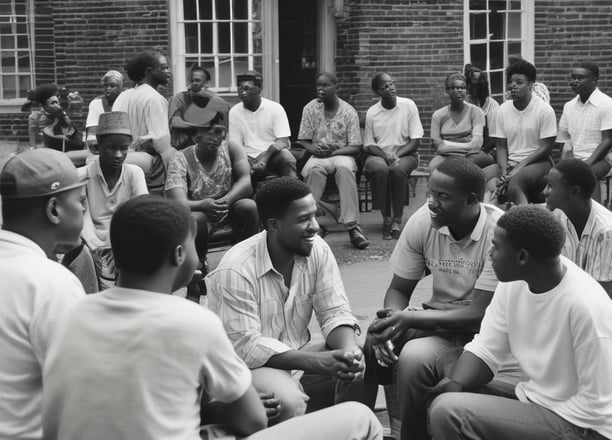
<point x="554" y="319"/>
<point x="585" y="127"/>
<point x="450" y="237"/>
<point x="265" y="291"/>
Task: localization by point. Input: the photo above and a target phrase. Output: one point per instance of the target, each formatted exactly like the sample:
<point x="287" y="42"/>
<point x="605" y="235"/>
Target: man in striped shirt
<point x="588" y="225"/>
<point x="265" y="291"/>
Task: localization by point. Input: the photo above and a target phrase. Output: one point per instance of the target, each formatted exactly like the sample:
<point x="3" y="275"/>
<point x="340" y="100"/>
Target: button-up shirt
<point x="592" y="251"/>
<point x="582" y="123"/>
<point x="261" y="316"/>
<point x="341" y="130"/>
<point x="257" y="130"/>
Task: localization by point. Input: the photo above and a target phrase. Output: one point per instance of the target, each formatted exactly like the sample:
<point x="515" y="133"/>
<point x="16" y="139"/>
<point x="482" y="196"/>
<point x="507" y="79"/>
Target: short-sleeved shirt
<point x="343" y="129"/>
<point x="391" y="128"/>
<point x="147" y="110"/>
<point x="261" y="316"/>
<point x="133" y="364"/>
<point x="102" y="201"/>
<point x="470" y="124"/>
<point x="35" y="295"/>
<point x="593" y="250"/>
<point x="490" y="109"/>
<point x="582" y="123"/>
<point x="257" y="130"/>
<point x="457" y="266"/>
<point x="523" y="129"/>
<point x="213" y="183"/>
<point x="96" y="108"/>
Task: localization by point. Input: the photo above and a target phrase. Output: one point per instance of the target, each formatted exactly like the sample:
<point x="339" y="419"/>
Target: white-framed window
<point x="493" y="31"/>
<point x="16" y="49"/>
<point x="222" y="36"/>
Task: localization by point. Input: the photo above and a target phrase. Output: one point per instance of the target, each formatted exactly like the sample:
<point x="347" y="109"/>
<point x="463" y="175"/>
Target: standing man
<point x="450" y="237"/>
<point x="265" y="291"/>
<point x="587" y="224"/>
<point x="330" y="132"/>
<point x="158" y="356"/>
<point x="42" y="209"/>
<point x="555" y="320"/>
<point x="585" y="127"/>
<point x="148" y="112"/>
<point x="184" y="108"/>
<point x="262" y="128"/>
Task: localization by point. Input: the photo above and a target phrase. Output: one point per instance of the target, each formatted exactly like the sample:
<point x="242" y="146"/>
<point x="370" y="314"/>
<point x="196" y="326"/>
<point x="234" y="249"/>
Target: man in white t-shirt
<point x="588" y="225"/>
<point x="135" y="361"/>
<point x="148" y="112"/>
<point x="555" y="320"/>
<point x="42" y="209"/>
<point x="262" y="128"/>
<point x="450" y="237"/>
<point x="585" y="127"/>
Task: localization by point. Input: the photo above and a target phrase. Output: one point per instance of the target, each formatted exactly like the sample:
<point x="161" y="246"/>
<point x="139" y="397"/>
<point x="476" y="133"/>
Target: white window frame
<point x="527" y="36"/>
<point x="12" y="105"/>
<point x="179" y="55"/>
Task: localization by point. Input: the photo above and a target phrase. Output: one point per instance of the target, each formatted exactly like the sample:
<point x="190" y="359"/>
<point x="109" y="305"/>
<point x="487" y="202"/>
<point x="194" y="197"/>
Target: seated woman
<point x="526" y="129"/>
<point x="478" y="94"/>
<point x="456" y="130"/>
<point x="213" y="178"/>
<point x="112" y="83"/>
<point x="393" y="132"/>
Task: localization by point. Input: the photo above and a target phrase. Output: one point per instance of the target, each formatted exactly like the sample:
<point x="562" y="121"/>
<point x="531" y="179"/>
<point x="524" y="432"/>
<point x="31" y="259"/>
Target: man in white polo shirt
<point x="262" y="128"/>
<point x="585" y="127"/>
<point x="450" y="237"/>
<point x="588" y="225"/>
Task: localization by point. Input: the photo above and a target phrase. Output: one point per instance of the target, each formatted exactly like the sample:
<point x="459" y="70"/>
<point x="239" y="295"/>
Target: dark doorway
<point x="297" y="47"/>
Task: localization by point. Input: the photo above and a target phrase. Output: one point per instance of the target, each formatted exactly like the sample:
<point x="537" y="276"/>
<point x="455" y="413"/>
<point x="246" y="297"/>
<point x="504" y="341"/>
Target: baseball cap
<point x="250" y="75"/>
<point x="38" y="173"/>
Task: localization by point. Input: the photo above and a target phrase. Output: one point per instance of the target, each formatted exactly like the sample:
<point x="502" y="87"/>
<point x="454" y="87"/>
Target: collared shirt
<point x="523" y="129"/>
<point x="257" y="130"/>
<point x="342" y="129"/>
<point x="593" y="250"/>
<point x="458" y="266"/>
<point x="582" y="123"/>
<point x="102" y="201"/>
<point x="35" y="294"/>
<point x="261" y="316"/>
<point x="389" y="129"/>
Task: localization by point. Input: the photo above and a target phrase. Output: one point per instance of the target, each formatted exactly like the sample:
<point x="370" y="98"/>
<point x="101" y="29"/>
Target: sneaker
<point x="386" y="231"/>
<point x="358" y="240"/>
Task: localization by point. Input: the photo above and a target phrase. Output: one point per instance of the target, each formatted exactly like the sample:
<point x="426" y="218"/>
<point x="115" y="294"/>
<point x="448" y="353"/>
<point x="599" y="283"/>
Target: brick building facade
<point x="418" y="42"/>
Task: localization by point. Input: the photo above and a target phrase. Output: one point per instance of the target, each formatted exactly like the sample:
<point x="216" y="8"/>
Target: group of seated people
<point x="518" y="321"/>
<point x="515" y="340"/>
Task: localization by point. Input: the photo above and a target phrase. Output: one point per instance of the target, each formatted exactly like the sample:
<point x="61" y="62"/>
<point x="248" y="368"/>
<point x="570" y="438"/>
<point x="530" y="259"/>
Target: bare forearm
<point x="411" y="147"/>
<point x="600" y="152"/>
<point x="240" y="190"/>
<point x="293" y="360"/>
<point x="470" y="372"/>
<point x="374" y="150"/>
<point x="342" y="337"/>
<point x="349" y="150"/>
<point x="461" y="320"/>
<point x="278" y="145"/>
<point x="396" y="300"/>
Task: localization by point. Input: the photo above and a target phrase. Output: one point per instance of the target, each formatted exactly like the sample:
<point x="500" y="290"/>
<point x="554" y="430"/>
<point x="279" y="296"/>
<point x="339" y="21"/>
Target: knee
<point x="246" y="208"/>
<point x="285" y="156"/>
<point x="293" y="402"/>
<point x="442" y="411"/>
<point x="367" y="424"/>
<point x="414" y="362"/>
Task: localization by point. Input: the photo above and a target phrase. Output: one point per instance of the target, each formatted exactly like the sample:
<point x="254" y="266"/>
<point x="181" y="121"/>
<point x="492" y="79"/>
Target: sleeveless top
<point x="202" y="184"/>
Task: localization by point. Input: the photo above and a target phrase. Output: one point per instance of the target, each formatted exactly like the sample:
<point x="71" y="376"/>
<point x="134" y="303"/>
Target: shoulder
<point x="474" y="109"/>
<point x="493" y="212"/>
<point x="312" y="105"/>
<point x="406" y="102"/>
<point x="602" y="218"/>
<point x="420" y="221"/>
<point x="235" y="108"/>
<point x="133" y="170"/>
<point x="440" y="113"/>
<point x="373" y="110"/>
<point x="241" y="255"/>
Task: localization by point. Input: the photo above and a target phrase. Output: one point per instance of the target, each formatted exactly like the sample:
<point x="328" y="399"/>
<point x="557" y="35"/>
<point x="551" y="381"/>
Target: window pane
<point x="7" y="42"/>
<point x="191" y="37"/>
<point x="241" y="64"/>
<point x="23" y="42"/>
<point x="223" y="9"/>
<point x="515" y="5"/>
<point x="478" y="26"/>
<point x="478" y="55"/>
<point x="225" y="72"/>
<point x="514" y="25"/>
<point x="241" y="38"/>
<point x="223" y="37"/>
<point x="478" y="5"/>
<point x="5" y="8"/>
<point x="8" y="83"/>
<point x="206" y="37"/>
<point x="514" y="49"/>
<point x="497" y="83"/>
<point x="22" y="28"/>
<point x="20" y="7"/>
<point x="5" y="28"/>
<point x="205" y="9"/>
<point x="189" y="9"/>
<point x="497" y="24"/>
<point x="23" y="61"/>
<point x="496" y="55"/>
<point x="24" y="84"/>
<point x="8" y="62"/>
<point x="241" y="9"/>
